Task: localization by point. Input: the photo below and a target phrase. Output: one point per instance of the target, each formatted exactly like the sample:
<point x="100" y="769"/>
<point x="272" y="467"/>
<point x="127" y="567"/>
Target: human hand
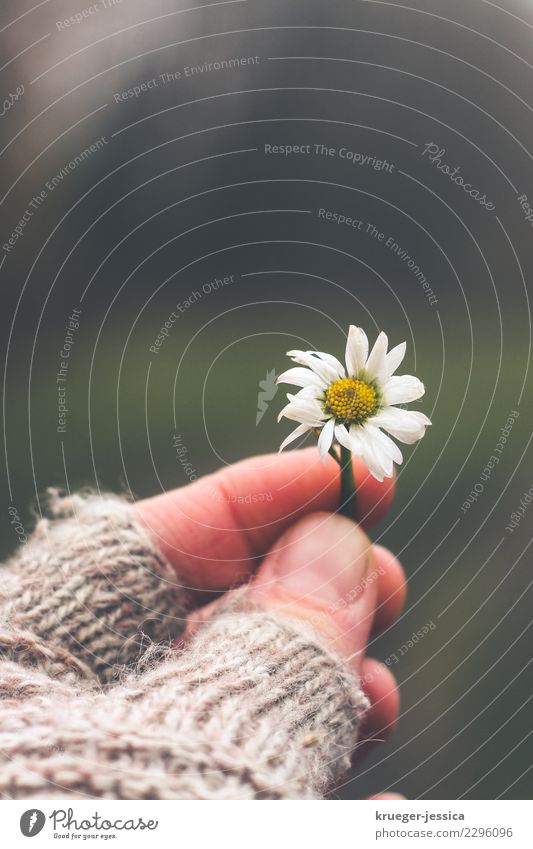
<point x="261" y="699"/>
<point x="268" y="521"/>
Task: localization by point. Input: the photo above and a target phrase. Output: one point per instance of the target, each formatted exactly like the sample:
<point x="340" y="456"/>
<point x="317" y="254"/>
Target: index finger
<point x="216" y="530"/>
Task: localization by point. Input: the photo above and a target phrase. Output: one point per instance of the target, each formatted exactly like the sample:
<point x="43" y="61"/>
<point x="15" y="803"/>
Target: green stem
<point x="348" y="489"/>
<point x="334" y="455"/>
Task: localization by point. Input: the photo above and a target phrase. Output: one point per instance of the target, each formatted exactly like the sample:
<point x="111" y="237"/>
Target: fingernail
<point x="325" y="557"/>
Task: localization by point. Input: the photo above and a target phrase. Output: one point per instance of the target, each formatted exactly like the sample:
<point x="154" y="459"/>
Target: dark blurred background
<point x="153" y="181"/>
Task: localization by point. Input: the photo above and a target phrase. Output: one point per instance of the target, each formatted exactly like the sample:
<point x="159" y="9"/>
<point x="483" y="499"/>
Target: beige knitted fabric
<point x="87" y="590"/>
<point x="252" y="708"/>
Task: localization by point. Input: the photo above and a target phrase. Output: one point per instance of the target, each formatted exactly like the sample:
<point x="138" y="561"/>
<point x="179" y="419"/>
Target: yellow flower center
<point x="351" y="400"/>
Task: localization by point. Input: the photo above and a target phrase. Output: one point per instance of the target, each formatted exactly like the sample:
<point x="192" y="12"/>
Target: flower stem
<point x="348" y="488"/>
<point x="334" y="455"/>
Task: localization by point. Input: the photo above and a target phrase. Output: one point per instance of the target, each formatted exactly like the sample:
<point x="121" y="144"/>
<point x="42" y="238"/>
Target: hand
<point x="270" y="519"/>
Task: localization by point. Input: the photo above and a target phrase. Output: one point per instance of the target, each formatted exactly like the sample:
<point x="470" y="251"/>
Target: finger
<point x="322" y="572"/>
<point x="216" y="530"/>
<point x="388" y="797"/>
<point x="287" y="704"/>
<point x="390" y="594"/>
<point x="380" y="721"/>
<point x="392" y="588"/>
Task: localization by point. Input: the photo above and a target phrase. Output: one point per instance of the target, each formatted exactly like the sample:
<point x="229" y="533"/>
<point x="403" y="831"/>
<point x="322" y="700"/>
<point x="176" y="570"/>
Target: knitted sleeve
<point x="85" y="594"/>
<point x="254" y="707"/>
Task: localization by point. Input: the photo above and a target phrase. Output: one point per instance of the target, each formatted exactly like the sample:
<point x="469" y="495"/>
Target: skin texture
<point x="296" y="555"/>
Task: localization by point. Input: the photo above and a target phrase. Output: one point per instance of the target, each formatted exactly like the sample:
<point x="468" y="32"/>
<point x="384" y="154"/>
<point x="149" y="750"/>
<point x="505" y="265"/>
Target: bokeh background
<point x="181" y="191"/>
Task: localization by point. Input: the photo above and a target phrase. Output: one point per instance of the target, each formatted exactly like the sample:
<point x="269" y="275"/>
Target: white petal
<point x="298" y="431"/>
<point x="342" y="436"/>
<point x="364" y="447"/>
<point x="326" y="438"/>
<point x="307" y="409"/>
<point x="355" y="439"/>
<point x="375" y="365"/>
<point x="305" y="401"/>
<point x="356" y="350"/>
<point x="406" y="425"/>
<point x="301" y="377"/>
<point x="394" y="358"/>
<point x="384" y="443"/>
<point x="381" y="450"/>
<point x="302" y="412"/>
<point x="296" y="417"/>
<point x="332" y="361"/>
<point x="320" y="367"/>
<point x="315" y="392"/>
<point x="401" y="390"/>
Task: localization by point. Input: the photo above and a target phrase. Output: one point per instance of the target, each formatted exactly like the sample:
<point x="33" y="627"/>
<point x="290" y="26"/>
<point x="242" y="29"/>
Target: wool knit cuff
<point x="253" y="708"/>
<point x="88" y="591"/>
<point x="256" y="707"/>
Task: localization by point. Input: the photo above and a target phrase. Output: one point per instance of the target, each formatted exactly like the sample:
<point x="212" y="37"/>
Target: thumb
<point x="322" y="571"/>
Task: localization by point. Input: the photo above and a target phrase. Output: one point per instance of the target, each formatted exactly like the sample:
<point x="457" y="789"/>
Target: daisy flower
<point x="355" y="405"/>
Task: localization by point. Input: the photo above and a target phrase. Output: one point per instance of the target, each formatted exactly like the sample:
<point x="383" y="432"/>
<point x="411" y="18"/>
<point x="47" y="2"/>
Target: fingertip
<point x="392" y="590"/>
<point x="380" y="687"/>
<point x="388" y="797"/>
<point x="322" y="571"/>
